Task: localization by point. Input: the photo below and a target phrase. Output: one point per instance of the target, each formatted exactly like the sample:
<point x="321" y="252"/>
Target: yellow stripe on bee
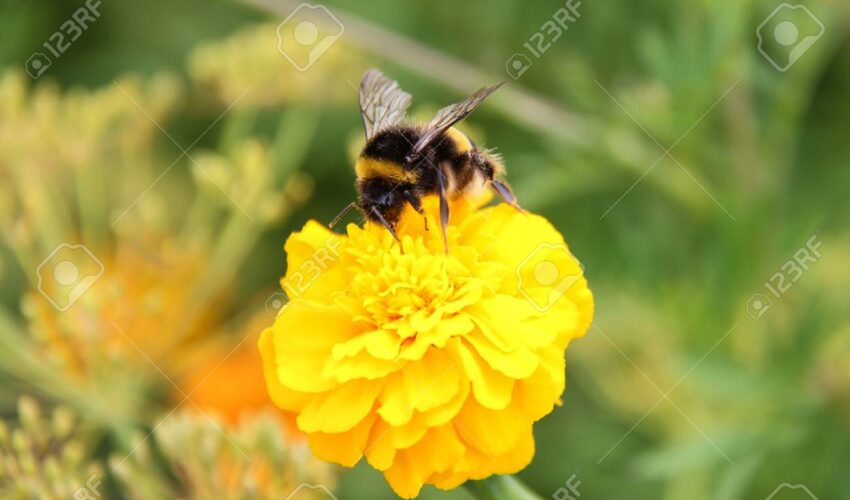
<point x="462" y="142"/>
<point x="368" y="168"/>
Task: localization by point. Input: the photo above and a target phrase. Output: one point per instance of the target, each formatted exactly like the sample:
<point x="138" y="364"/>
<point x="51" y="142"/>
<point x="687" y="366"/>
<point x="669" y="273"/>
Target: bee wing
<point x="382" y="102"/>
<point x="452" y="114"/>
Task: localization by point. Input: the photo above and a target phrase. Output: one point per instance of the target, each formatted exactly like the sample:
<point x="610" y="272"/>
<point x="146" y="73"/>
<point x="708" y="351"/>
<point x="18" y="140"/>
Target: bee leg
<point x="506" y="194"/>
<point x="444" y="208"/>
<point x="386" y="224"/>
<point x="416" y="203"/>
<point x="342" y="214"/>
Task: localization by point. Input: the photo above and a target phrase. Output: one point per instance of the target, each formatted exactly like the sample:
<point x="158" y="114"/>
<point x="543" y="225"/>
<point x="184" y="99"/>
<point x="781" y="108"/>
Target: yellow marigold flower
<point x="432" y="366"/>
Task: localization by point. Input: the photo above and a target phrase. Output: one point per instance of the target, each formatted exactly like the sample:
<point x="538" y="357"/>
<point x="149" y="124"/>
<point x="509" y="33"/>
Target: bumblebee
<point x="402" y="162"/>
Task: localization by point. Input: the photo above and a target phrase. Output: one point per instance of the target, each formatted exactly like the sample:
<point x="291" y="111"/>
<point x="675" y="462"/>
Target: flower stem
<point x="500" y="488"/>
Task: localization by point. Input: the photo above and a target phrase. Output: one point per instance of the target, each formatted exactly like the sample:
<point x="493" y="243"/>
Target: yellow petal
<point x="420" y="386"/>
<point x="519" y="363"/>
<point x="304" y="335"/>
<point x="343" y="448"/>
<point x="444" y="413"/>
<point x="282" y="396"/>
<point x="396" y="399"/>
<point x="517" y="458"/>
<point x="538" y="394"/>
<point x="580" y="295"/>
<point x="500" y="320"/>
<point x="381" y="344"/>
<point x="313" y="262"/>
<point x="437" y="451"/>
<point x="380" y="450"/>
<point x="359" y="366"/>
<point x="449" y="327"/>
<point x="340" y="409"/>
<point x="491" y="388"/>
<point x="493" y="432"/>
<point x="436" y="379"/>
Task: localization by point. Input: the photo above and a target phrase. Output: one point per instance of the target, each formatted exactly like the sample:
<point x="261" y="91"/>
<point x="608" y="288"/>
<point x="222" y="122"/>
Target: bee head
<point x="381" y="202"/>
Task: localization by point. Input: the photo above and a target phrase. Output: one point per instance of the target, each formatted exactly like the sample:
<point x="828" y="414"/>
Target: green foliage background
<point x="760" y="165"/>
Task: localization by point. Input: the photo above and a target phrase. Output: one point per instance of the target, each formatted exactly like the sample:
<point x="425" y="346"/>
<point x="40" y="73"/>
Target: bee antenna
<point x="342" y="214"/>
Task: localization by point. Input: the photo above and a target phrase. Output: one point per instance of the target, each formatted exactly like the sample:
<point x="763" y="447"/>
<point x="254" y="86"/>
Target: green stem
<point x="92" y="206"/>
<point x="234" y="244"/>
<point x="295" y="132"/>
<point x="500" y="488"/>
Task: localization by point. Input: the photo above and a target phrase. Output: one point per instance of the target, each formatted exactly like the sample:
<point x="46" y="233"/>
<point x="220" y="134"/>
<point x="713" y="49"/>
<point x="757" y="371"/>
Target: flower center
<point x="408" y="290"/>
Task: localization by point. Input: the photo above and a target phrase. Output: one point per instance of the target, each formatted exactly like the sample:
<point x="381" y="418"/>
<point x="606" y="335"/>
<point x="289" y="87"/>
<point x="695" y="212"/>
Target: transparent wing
<point x="382" y="102"/>
<point x="450" y="115"/>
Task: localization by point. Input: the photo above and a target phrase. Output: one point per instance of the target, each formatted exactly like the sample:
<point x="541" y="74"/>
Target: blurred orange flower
<point x="231" y="385"/>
